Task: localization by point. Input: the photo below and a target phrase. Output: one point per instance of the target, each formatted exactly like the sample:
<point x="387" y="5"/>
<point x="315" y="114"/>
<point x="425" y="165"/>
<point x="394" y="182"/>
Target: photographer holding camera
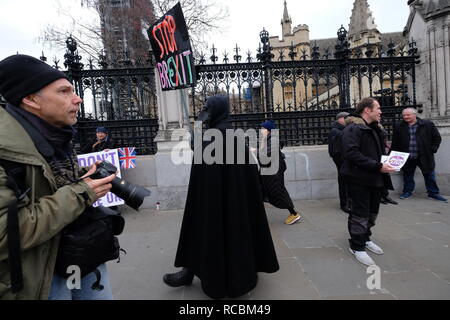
<point x="42" y="189"/>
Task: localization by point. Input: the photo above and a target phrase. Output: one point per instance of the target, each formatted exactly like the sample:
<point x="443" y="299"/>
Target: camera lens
<point x="132" y="195"/>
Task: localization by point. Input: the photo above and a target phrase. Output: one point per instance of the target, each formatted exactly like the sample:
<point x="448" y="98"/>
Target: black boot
<point x="178" y="279"/>
<point x="389" y="200"/>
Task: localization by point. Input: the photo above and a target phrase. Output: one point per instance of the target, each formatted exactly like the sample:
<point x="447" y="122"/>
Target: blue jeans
<point x="408" y="179"/>
<point x="60" y="291"/>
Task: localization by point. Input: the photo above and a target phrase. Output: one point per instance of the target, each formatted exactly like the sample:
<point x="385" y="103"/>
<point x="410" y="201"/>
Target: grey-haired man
<point x="421" y="139"/>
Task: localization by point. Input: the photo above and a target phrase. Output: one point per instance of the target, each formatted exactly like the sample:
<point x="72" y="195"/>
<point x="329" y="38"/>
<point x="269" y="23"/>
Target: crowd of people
<point x="225" y="239"/>
<point x="356" y="144"/>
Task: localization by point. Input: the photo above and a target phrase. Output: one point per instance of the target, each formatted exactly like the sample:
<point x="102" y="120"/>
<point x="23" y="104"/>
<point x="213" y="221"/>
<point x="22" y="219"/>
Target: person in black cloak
<point x="274" y="190"/>
<point x="225" y="238"/>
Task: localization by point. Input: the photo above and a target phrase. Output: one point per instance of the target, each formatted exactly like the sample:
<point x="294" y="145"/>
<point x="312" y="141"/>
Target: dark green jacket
<point x="43" y="213"/>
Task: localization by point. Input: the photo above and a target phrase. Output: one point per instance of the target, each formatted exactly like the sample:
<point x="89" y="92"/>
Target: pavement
<point x="315" y="263"/>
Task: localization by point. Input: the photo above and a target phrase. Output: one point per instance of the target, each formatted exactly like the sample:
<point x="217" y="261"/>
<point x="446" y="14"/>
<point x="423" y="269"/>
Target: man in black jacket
<point x="335" y="152"/>
<point x="365" y="176"/>
<point x="102" y="142"/>
<point x="421" y="139"/>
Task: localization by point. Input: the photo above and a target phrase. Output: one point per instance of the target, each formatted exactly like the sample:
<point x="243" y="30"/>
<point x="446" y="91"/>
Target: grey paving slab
<point x="428" y="253"/>
<point x="289" y="283"/>
<point x="437" y="231"/>
<point x="304" y="235"/>
<point x="313" y="255"/>
<point x="334" y="273"/>
<point x="419" y="285"/>
<point x="405" y="216"/>
<point x="388" y="229"/>
<point x="281" y="247"/>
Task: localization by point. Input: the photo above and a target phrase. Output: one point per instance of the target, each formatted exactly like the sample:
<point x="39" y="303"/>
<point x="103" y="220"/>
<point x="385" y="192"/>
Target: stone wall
<point x="311" y="175"/>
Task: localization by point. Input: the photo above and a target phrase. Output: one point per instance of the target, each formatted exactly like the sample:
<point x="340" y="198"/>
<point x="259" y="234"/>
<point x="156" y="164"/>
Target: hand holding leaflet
<point x="396" y="159"/>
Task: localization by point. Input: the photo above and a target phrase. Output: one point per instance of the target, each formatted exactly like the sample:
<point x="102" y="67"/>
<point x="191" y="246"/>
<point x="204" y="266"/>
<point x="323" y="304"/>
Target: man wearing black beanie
<point x="35" y="145"/>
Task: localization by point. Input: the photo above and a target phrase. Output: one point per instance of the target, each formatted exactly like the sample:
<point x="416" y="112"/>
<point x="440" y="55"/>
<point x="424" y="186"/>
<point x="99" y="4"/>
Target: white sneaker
<point x="374" y="248"/>
<point x="363" y="257"/>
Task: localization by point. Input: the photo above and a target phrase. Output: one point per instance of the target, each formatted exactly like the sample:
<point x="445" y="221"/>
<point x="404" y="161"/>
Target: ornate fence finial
<point x="237" y="57"/>
<point x="343" y="46"/>
<point x="304" y="56"/>
<point x="225" y="57"/>
<point x="214" y="58"/>
<point x="369" y="49"/>
<point x="315" y="55"/>
<point x="264" y="36"/>
<point x="265" y="55"/>
<point x="202" y="58"/>
<point x="327" y="54"/>
<point x="72" y="59"/>
<point x="55" y="63"/>
<point x="90" y="60"/>
<point x="413" y="50"/>
<point x="43" y="58"/>
<point x="391" y="51"/>
<point x="102" y="61"/>
<point x="249" y="56"/>
<point x="281" y="52"/>
<point x="292" y="53"/>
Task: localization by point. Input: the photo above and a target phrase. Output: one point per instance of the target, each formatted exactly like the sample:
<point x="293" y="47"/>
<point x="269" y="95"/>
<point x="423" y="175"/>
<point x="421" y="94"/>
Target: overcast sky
<point x="21" y="21"/>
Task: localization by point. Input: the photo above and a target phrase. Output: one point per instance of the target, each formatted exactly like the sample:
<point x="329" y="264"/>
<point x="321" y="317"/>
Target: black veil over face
<point x="216" y="112"/>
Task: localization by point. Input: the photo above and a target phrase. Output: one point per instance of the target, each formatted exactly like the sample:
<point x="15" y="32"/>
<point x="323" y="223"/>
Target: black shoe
<point x="389" y="200"/>
<point x="178" y="279"/>
<point x="383" y="201"/>
<point x="346" y="210"/>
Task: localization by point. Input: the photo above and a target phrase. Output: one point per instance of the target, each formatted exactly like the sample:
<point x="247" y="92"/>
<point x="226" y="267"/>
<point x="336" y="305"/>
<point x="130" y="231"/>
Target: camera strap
<point x="15" y="181"/>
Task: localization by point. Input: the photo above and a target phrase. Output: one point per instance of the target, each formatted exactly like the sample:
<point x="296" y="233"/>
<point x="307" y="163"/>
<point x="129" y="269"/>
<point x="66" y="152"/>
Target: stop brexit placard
<point x="172" y="49"/>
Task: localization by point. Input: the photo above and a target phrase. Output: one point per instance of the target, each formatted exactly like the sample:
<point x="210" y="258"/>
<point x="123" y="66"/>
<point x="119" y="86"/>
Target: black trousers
<point x="364" y="204"/>
<point x="342" y="185"/>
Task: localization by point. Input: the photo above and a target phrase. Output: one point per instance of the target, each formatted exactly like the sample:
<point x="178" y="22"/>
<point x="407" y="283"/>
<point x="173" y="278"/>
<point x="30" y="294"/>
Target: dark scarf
<point x="64" y="163"/>
<point x="60" y="138"/>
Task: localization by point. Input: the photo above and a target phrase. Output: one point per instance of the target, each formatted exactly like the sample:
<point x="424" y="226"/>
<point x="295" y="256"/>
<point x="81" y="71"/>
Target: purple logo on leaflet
<point x="396" y="161"/>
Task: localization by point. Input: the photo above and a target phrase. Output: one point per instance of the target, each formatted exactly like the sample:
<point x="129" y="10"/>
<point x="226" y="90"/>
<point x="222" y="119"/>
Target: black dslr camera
<point x="131" y="194"/>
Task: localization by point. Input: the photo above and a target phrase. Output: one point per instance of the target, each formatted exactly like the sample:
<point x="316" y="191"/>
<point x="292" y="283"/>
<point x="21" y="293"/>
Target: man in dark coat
<point x="365" y="176"/>
<point x="102" y="142"/>
<point x="421" y="139"/>
<point x="335" y="152"/>
<point x="225" y="238"/>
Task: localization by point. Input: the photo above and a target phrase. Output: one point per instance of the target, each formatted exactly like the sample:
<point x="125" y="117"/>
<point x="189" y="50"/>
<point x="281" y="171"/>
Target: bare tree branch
<point x="202" y="17"/>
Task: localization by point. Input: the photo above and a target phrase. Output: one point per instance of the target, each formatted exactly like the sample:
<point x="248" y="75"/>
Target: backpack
<point x="87" y="242"/>
<point x="90" y="241"/>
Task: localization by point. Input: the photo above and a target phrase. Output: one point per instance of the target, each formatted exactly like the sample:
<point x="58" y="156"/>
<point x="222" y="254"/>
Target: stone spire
<point x="362" y="20"/>
<point x="286" y="14"/>
<point x="286" y="22"/>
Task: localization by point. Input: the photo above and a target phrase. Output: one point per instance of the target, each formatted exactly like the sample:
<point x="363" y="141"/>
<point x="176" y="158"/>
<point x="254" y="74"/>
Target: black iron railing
<point x="301" y="90"/>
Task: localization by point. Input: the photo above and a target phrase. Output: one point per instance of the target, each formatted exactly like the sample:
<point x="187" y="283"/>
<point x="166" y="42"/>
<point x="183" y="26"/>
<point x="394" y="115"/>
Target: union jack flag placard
<point x="127" y="158"/>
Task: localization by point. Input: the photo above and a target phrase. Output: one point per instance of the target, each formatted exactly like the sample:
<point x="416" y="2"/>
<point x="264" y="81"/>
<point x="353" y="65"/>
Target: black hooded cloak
<point x="225" y="237"/>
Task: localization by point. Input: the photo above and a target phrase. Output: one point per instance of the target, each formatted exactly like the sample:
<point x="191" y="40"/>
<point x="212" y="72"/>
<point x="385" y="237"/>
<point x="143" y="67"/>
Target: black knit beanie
<point x="22" y="75"/>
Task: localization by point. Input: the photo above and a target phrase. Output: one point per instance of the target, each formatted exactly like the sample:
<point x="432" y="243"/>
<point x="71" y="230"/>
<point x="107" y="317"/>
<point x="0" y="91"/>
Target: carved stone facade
<point x="429" y="26"/>
<point x="363" y="35"/>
